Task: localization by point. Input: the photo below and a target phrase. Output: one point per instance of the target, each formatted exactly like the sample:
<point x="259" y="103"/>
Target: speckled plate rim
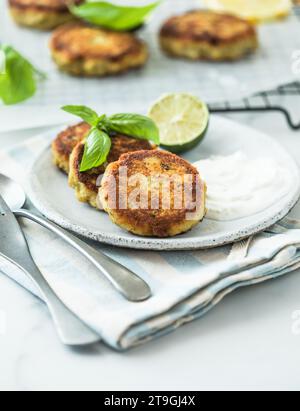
<point x="157" y="244"/>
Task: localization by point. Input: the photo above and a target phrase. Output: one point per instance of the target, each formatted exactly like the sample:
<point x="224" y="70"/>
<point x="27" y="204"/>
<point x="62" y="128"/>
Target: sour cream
<point x="239" y="186"/>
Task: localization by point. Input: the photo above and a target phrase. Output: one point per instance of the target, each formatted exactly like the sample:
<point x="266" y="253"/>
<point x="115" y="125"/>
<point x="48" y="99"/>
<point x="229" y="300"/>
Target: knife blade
<point x="13" y="246"/>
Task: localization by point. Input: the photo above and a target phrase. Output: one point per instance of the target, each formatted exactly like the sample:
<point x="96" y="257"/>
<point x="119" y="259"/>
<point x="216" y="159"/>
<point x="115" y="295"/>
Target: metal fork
<point x="240" y="250"/>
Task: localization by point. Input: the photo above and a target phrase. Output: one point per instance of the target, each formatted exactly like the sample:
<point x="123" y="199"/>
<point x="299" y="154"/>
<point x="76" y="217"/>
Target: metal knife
<point x="13" y="246"/>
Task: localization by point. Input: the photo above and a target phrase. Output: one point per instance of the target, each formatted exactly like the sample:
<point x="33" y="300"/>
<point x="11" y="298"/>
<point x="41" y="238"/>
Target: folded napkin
<point x="185" y="284"/>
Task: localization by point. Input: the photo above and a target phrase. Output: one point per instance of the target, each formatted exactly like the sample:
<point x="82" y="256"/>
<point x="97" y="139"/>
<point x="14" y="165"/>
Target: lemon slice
<point x="253" y="10"/>
<point x="182" y="120"/>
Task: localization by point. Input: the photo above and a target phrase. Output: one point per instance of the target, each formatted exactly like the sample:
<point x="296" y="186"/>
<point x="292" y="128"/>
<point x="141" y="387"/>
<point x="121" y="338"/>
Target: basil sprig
<point x="98" y="142"/>
<point x="96" y="149"/>
<point x="85" y="113"/>
<point x="18" y="77"/>
<point x="135" y="125"/>
<point x="112" y="16"/>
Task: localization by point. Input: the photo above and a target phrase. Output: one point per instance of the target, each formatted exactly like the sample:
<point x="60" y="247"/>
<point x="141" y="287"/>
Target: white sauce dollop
<point x="239" y="186"/>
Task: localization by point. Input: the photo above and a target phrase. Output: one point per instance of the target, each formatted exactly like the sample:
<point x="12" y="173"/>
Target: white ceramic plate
<point x="51" y="195"/>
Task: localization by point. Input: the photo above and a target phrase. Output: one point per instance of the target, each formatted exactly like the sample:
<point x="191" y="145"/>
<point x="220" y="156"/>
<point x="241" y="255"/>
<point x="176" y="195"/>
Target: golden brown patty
<point x="208" y="35"/>
<point x="140" y="207"/>
<point x="87" y="184"/>
<point x="65" y="143"/>
<point x="83" y="50"/>
<point x="41" y="14"/>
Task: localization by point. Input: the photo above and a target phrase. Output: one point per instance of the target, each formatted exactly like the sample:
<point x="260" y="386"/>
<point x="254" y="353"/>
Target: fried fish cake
<point x="65" y="143"/>
<point x="153" y="201"/>
<point x="82" y="50"/>
<point x="208" y="35"/>
<point x="41" y="14"/>
<point x="86" y="184"/>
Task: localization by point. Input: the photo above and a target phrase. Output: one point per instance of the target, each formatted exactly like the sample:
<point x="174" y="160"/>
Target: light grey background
<point x="246" y="342"/>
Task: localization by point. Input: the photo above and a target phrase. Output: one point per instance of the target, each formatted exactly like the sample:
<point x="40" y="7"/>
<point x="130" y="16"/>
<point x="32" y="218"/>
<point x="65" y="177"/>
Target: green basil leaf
<point x="85" y="113"/>
<point x="96" y="149"/>
<point x="112" y="16"/>
<point x="17" y="77"/>
<point x="135" y="125"/>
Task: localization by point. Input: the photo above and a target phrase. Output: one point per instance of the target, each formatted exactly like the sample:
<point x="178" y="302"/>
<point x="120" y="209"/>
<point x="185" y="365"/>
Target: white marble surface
<point x="246" y="342"/>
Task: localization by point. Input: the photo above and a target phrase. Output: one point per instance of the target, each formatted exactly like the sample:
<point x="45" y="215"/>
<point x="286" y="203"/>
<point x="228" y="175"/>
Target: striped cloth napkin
<point x="185" y="284"/>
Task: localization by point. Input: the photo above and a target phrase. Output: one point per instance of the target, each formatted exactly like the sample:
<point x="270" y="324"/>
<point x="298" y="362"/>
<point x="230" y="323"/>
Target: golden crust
<point x="204" y="34"/>
<point x="152" y="221"/>
<point x="86" y="184"/>
<point x="214" y="28"/>
<point x="65" y="143"/>
<point x="41" y="14"/>
<point x="49" y="5"/>
<point x="84" y="50"/>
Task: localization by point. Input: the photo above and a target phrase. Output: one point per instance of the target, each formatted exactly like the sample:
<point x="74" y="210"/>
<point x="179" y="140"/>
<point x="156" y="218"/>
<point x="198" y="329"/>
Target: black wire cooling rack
<point x="266" y="101"/>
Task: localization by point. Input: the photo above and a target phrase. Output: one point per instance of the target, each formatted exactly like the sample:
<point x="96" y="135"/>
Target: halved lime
<point x="182" y="120"/>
